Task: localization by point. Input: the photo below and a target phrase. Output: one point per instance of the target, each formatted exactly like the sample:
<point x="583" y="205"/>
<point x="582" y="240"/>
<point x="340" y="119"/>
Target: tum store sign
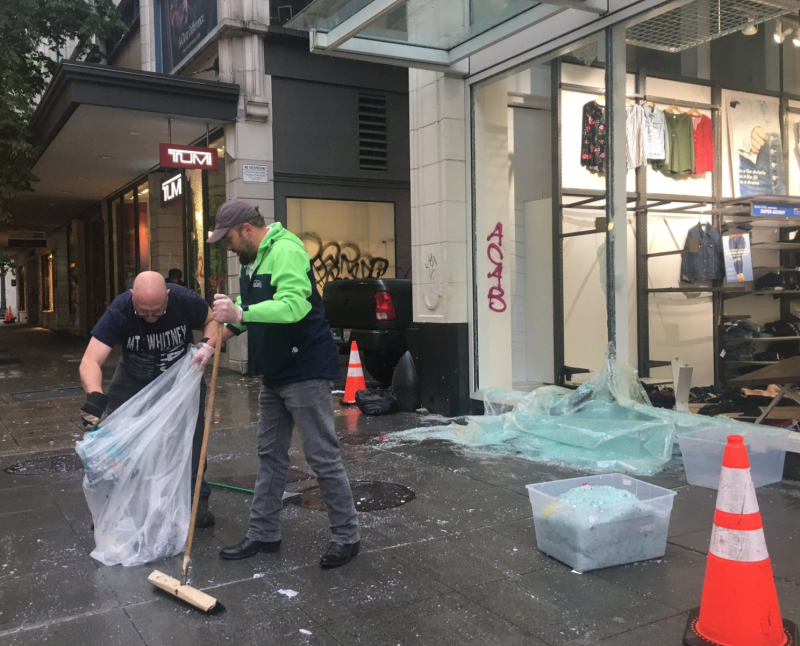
<point x="189" y="157"/>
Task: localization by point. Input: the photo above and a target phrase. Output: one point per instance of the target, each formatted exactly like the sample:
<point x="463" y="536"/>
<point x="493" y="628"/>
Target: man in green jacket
<point x="294" y="351"/>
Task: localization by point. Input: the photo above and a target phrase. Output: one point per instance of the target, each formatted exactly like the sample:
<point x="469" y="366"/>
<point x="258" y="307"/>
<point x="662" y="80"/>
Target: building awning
<point x="479" y="39"/>
<point x="432" y="33"/>
<point x="98" y="128"/>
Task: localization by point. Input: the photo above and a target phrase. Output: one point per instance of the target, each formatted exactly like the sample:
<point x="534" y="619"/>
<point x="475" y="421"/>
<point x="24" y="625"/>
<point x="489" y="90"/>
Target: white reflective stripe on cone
<point x="736" y="545"/>
<point x="354" y="358"/>
<point x="355" y="371"/>
<point x="736" y="495"/>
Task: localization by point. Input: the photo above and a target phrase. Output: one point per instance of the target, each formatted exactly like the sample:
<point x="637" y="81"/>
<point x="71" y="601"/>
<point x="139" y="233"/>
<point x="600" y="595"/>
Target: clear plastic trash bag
<point x="138" y="470"/>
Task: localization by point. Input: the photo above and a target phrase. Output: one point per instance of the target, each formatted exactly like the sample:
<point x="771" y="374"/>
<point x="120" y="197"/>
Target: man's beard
<point x="247" y="256"/>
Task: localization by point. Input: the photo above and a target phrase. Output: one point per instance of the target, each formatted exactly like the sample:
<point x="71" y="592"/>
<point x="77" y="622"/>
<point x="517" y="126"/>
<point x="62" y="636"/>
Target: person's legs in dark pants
<point x="311" y="408"/>
<point x="274" y="439"/>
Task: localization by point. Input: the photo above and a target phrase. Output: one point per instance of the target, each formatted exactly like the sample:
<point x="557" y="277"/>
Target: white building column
<point x="439" y="218"/>
<point x="247" y="141"/>
<point x="147" y="34"/>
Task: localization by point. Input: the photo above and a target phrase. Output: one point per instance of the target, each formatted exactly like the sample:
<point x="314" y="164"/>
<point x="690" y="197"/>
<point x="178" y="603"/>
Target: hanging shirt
<point x="706" y="263"/>
<point x="593" y="141"/>
<point x="634" y="130"/>
<point x="680" y="158"/>
<point x="655" y="133"/>
<point x="703" y="144"/>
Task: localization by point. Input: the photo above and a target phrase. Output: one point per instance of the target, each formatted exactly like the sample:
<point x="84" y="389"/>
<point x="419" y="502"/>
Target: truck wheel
<point x="379" y="365"/>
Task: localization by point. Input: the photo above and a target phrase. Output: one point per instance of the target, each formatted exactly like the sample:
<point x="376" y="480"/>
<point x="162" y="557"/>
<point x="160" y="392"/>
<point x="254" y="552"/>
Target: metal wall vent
<point x="372" y="132"/>
<point x="676" y="28"/>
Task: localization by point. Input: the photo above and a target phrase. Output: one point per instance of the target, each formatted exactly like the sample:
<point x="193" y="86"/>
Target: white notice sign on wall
<point x="255" y="174"/>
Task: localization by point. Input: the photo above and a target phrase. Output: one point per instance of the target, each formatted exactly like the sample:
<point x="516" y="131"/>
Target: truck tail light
<point x="384" y="307"/>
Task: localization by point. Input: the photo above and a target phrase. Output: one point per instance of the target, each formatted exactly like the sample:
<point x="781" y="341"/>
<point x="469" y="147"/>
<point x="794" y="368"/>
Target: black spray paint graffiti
<point x="331" y="260"/>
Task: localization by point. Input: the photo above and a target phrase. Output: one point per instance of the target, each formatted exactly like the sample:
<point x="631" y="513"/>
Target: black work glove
<point x="93" y="409"/>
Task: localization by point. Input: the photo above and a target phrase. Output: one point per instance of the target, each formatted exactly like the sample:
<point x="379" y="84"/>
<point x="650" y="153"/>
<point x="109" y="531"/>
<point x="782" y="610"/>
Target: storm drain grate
<point x="44" y="466"/>
<point x="369" y="495"/>
<point x="44" y="395"/>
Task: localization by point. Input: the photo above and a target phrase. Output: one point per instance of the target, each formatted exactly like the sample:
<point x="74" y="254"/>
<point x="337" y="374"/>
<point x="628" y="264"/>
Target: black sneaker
<point x="339" y="554"/>
<point x="204" y="517"/>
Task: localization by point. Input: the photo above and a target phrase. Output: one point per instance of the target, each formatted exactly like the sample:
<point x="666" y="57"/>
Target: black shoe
<point x="339" y="554"/>
<point x="248" y="547"/>
<point x="204" y="517"/>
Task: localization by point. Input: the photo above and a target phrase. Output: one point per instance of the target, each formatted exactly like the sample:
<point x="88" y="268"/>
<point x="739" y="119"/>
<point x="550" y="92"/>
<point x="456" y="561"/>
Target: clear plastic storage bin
<point x="703" y="450"/>
<point x="597" y="537"/>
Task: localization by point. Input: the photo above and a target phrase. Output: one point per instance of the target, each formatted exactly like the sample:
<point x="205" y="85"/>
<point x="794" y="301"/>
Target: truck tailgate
<point x="351" y="303"/>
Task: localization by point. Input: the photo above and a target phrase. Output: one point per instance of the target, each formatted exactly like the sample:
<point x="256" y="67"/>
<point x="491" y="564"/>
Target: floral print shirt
<point x="593" y="142"/>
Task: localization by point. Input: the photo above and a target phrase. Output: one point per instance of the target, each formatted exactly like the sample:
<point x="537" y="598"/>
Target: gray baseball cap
<point x="229" y="214"/>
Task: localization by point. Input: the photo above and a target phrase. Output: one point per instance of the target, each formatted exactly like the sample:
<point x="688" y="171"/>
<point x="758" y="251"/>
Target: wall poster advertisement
<point x="754" y="133"/>
<point x="184" y="23"/>
<point x="738" y="261"/>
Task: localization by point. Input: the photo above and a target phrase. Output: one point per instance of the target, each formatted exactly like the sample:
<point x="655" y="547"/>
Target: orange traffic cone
<point x="355" y="377"/>
<point x="740" y="602"/>
<point x="9" y="315"/>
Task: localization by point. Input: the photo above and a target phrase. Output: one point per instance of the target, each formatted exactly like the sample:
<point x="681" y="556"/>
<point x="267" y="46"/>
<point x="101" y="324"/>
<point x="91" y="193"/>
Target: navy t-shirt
<point x="148" y="349"/>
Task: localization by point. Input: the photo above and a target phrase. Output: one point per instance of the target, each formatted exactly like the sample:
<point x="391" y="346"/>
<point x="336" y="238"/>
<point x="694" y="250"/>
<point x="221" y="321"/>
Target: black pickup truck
<point x="376" y="314"/>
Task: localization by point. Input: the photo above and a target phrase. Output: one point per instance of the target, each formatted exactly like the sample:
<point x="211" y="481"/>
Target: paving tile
<point x="372" y="582"/>
<point x="687" y="518"/>
<point x="22" y="554"/>
<point x="448" y="620"/>
<point x="45" y="518"/>
<point x="101" y="629"/>
<point x="559" y="606"/>
<point x="665" y="631"/>
<point x="52" y="595"/>
<point x="24" y="498"/>
<point x="675" y="580"/>
<point x="207" y="569"/>
<point x="486" y="507"/>
<point x="10" y="481"/>
<point x="410" y="523"/>
<point x="472" y="558"/>
<point x="254" y="615"/>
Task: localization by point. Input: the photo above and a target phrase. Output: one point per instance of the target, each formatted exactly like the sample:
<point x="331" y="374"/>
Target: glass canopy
<point x="436" y="24"/>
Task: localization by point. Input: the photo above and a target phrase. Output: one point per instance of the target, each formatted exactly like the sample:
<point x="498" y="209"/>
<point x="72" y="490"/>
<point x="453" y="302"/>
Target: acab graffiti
<point x="494" y="251"/>
<point x="331" y="260"/>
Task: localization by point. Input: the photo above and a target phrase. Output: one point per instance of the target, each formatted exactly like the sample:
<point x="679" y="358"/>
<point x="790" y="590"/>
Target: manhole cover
<point x="43" y="395"/>
<point x="370" y="495"/>
<point x="43" y="466"/>
<point x="248" y="482"/>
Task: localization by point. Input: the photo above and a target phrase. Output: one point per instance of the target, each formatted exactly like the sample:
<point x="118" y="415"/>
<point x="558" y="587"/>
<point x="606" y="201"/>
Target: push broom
<point x="187" y="593"/>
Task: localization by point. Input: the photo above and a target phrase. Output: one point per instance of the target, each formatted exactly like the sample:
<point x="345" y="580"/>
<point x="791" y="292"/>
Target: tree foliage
<point x="33" y="36"/>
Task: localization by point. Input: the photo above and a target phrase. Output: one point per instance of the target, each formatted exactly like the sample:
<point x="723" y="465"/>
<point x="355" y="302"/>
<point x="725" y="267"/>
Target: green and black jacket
<point x="290" y="339"/>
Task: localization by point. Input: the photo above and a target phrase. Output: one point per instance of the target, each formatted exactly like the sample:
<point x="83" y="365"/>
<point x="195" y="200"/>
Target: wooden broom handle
<point x="202" y="464"/>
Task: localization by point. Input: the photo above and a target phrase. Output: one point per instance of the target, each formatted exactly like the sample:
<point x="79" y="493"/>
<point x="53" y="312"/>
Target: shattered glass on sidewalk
<point x="607" y="424"/>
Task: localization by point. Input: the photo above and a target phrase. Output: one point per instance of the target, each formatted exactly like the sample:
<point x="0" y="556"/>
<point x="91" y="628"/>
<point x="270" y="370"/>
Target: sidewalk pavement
<point x="456" y="565"/>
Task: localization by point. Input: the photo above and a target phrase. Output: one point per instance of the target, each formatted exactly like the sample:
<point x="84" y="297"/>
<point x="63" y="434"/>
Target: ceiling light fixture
<point x="796" y="37"/>
<point x="135" y="134"/>
<point x="750" y="30"/>
<point x="778" y="35"/>
<point x="105" y="156"/>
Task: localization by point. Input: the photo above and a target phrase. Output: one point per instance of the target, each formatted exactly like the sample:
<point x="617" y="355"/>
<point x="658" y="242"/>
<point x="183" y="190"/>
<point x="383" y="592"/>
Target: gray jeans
<point x="308" y="405"/>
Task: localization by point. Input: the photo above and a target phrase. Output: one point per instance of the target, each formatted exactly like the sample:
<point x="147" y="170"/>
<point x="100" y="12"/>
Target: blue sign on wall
<point x="780" y="210"/>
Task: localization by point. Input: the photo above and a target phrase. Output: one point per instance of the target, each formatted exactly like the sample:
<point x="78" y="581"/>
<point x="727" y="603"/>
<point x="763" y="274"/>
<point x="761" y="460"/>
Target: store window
<point x="72" y="271"/>
<point x="46" y="273"/>
<point x="21" y="286"/>
<point x="206" y="265"/>
<point x="143" y="224"/>
<point x="130" y="236"/>
<point x="345" y="239"/>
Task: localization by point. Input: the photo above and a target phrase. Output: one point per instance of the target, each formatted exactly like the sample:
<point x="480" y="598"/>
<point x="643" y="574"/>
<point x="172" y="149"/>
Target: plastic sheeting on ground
<point x="138" y="468"/>
<point x="607" y="424"/>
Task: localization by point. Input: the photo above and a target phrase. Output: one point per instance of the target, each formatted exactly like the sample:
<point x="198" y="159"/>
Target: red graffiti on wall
<point x="494" y="252"/>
